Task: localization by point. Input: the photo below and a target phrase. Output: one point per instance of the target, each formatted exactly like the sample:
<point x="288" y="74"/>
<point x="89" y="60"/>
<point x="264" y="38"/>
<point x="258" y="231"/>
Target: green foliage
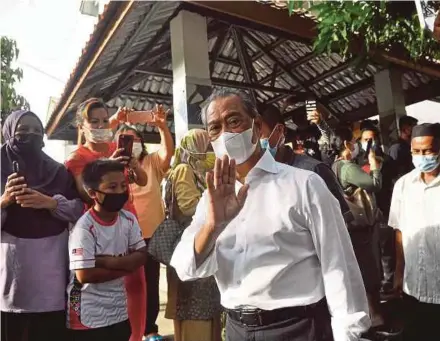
<point x="381" y="25"/>
<point x="10" y="100"/>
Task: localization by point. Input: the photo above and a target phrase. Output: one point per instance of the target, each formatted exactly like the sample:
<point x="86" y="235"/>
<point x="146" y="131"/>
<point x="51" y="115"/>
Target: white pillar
<point x="191" y="76"/>
<point x="390" y="103"/>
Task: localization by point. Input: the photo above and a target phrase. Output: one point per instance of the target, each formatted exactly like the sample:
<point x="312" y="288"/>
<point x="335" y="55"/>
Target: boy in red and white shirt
<point x="104" y="246"/>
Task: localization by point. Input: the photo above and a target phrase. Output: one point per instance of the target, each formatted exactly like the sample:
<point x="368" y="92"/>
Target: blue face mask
<point x="264" y="143"/>
<point x="426" y="163"/>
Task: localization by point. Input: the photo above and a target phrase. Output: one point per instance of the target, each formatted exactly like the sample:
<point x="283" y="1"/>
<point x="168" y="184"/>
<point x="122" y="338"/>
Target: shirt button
<point x="238" y="282"/>
<point x="240" y="250"/>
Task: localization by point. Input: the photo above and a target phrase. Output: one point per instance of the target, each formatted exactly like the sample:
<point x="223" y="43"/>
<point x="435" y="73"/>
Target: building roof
<point x="127" y="62"/>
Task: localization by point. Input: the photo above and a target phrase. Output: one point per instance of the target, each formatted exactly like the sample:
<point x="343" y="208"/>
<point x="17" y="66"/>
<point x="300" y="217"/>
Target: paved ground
<point x="165" y="325"/>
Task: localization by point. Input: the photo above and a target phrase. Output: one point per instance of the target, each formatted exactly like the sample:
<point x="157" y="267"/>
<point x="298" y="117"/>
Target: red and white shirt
<point x="96" y="305"/>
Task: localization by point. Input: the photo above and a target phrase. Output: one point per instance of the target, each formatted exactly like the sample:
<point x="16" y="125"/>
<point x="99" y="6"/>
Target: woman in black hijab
<point x="37" y="205"/>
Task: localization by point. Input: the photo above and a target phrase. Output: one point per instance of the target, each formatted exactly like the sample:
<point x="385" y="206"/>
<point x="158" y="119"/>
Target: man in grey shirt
<point x="272" y="138"/>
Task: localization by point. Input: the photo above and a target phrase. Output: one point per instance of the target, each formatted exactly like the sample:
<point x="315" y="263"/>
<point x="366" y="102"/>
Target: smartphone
<point x="369" y="145"/>
<point x="310" y="107"/>
<point x="126" y="142"/>
<point x="16" y="167"/>
<point x="140" y="117"/>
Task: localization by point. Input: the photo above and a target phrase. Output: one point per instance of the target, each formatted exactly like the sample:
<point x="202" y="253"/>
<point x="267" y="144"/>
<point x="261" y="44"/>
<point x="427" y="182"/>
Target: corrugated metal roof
<point x="334" y="82"/>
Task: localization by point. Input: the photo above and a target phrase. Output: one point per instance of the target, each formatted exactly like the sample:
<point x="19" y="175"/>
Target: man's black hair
<point x="341" y="135"/>
<point x="369" y="125"/>
<point x="407" y="121"/>
<point x="248" y="104"/>
<point x="94" y="171"/>
<point x="272" y="116"/>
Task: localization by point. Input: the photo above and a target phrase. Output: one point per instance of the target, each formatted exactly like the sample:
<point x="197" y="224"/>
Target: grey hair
<point x="248" y="104"/>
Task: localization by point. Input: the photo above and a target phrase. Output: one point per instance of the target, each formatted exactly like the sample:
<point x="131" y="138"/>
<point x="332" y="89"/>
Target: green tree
<point x="10" y="75"/>
<point x="363" y="27"/>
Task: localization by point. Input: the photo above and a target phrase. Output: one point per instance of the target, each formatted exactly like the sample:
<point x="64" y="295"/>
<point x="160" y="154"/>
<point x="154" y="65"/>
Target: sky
<point x="51" y="35"/>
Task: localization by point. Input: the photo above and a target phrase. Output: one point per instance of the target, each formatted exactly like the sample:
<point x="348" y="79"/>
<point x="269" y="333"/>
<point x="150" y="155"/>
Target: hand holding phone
<point x="368" y="149"/>
<point x="140" y="117"/>
<point x="310" y="106"/>
<point x="125" y="142"/>
<point x="312" y="115"/>
<point x="15" y="185"/>
<point x="16" y="167"/>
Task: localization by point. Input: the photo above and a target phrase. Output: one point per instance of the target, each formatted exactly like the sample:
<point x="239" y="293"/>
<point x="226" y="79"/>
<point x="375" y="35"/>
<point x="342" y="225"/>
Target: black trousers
<point x="421" y="321"/>
<point x="33" y="326"/>
<point x="366" y="250"/>
<point x="315" y="327"/>
<point x="152" y="275"/>
<point x="116" y="332"/>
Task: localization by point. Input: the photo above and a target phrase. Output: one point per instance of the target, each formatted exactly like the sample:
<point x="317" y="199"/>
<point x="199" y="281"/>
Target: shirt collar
<point x="417" y="178"/>
<point x="266" y="164"/>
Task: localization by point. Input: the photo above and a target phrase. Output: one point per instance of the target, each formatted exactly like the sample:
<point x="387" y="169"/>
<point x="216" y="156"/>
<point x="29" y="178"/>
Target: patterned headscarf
<point x="191" y="151"/>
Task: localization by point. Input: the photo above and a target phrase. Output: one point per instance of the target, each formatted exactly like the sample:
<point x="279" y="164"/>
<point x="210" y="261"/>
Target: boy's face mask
<point x="113" y="202"/>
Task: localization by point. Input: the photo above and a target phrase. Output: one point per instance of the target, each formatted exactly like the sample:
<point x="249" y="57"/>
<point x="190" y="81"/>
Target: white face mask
<point x="98" y="135"/>
<point x="137" y="149"/>
<point x="237" y="146"/>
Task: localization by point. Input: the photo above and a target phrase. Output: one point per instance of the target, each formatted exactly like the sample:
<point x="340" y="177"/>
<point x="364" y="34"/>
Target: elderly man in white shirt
<point x="415" y="214"/>
<point x="274" y="238"/>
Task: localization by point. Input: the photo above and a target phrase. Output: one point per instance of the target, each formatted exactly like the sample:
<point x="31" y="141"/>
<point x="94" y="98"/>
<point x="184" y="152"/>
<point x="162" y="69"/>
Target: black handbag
<point x="167" y="235"/>
<point x="361" y="203"/>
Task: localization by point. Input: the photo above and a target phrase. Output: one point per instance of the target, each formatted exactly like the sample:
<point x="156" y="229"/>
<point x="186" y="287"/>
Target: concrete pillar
<point x="390" y="103"/>
<point x="191" y="76"/>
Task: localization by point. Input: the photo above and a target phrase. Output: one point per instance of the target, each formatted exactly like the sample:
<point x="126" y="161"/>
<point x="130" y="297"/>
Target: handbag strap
<point x="169" y="199"/>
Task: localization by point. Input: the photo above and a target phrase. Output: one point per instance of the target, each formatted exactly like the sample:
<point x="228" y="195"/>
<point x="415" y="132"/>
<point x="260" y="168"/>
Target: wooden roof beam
<point x="113" y="27"/>
<point x="294" y="65"/>
<point x="269" y="47"/>
<point x="349" y="90"/>
<point x="217" y="81"/>
<point x="218" y="47"/>
<point x="251" y="14"/>
<point x="246" y="66"/>
<point x="283" y="67"/>
<point x="261" y="17"/>
<point x="140" y="58"/>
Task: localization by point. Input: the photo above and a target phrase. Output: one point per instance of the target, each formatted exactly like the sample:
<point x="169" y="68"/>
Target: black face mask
<point x="28" y="143"/>
<point x="113" y="202"/>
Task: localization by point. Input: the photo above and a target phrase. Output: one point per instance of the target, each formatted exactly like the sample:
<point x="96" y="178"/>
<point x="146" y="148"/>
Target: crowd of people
<point x="286" y="239"/>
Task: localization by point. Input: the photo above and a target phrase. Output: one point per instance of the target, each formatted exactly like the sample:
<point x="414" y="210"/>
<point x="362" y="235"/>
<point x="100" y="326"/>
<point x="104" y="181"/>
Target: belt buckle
<point x="256" y="313"/>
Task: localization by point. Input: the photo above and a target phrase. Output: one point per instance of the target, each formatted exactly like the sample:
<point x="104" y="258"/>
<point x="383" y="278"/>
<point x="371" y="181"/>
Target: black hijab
<point x="42" y="174"/>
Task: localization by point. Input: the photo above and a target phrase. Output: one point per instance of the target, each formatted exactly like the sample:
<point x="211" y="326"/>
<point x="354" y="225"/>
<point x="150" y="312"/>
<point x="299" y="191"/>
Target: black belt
<point x="259" y="317"/>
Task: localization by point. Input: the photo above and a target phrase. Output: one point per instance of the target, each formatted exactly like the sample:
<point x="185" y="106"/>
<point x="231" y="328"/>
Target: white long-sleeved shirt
<point x="288" y="246"/>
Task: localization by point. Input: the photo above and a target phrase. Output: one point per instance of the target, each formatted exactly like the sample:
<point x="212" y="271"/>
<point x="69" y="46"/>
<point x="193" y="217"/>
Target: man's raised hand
<point x="223" y="203"/>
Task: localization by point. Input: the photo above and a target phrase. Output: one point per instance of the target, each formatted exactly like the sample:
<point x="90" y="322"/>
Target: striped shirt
<point x="96" y="305"/>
